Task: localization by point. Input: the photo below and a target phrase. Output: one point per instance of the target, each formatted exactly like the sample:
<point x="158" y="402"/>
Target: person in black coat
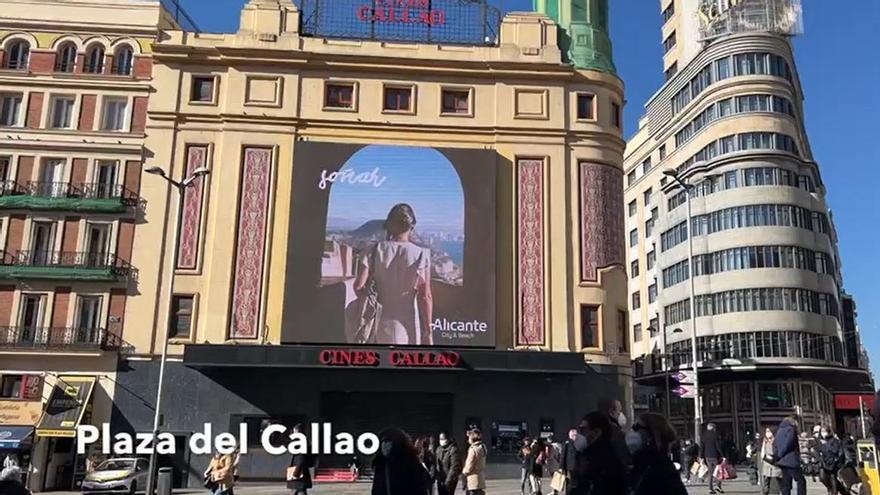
<point x="653" y="471"/>
<point x="569" y="453"/>
<point x="396" y="468"/>
<point x="830" y="460"/>
<point x="713" y="453"/>
<point x="689" y="455"/>
<point x="301" y="479"/>
<point x="787" y="456"/>
<point x="597" y="469"/>
<point x="449" y="465"/>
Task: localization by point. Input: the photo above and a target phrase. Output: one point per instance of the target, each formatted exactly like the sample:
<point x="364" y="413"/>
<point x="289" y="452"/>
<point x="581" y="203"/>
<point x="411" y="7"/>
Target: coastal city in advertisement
<point x="439" y="247"/>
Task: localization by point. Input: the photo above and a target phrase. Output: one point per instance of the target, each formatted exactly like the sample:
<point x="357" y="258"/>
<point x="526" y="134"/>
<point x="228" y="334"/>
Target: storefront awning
<point x="11" y="437"/>
<point x="66" y="406"/>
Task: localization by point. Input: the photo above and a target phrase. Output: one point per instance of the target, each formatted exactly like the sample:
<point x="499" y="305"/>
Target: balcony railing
<point x="89" y="196"/>
<point x="77" y="265"/>
<point x="59" y="338"/>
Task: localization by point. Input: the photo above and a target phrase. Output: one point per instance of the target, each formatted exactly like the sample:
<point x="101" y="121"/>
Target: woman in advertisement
<point x="401" y="273"/>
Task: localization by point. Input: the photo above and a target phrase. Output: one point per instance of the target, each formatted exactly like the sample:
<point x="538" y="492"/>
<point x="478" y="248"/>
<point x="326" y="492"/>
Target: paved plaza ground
<point x="495" y="487"/>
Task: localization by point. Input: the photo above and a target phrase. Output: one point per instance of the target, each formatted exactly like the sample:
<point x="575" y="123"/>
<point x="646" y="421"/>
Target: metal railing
<point x="69" y="259"/>
<point x="84" y="190"/>
<point x="183" y="19"/>
<point x="29" y="337"/>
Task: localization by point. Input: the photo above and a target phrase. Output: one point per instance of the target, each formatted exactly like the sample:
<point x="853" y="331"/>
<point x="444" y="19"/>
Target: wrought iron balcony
<point x="65" y="265"/>
<point x="92" y="197"/>
<point x="59" y="338"/>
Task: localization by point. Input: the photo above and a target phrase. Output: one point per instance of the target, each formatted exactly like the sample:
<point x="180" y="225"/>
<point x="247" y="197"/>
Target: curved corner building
<point x="729" y="120"/>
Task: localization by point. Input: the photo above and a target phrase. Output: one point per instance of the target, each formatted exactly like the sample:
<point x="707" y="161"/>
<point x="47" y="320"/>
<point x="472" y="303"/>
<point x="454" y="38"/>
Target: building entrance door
<point x="418" y="414"/>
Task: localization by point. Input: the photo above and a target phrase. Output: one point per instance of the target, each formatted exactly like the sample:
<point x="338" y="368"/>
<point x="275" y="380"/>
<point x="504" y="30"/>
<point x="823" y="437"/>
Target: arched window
<point x="95" y="60"/>
<point x="122" y="61"/>
<point x="17" y="55"/>
<point x="66" y="60"/>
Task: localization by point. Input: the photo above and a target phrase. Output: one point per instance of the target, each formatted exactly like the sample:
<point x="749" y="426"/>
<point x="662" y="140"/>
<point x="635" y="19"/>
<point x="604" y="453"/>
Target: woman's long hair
<point x="401" y="443"/>
<point x="662" y="433"/>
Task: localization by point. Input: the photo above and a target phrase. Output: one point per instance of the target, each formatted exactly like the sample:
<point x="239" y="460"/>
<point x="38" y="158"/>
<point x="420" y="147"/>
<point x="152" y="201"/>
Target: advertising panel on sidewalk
<point x="391" y="245"/>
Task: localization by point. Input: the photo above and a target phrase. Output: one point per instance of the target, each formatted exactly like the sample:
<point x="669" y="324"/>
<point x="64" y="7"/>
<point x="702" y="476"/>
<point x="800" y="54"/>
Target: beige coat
<point x="220" y="470"/>
<point x="768" y="470"/>
<point x="474" y="466"/>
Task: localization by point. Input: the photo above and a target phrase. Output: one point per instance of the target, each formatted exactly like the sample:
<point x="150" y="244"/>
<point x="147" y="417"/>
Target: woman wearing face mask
<point x="597" y="468"/>
<point x="396" y="468"/>
<point x="770" y="474"/>
<point x="830" y="460"/>
<point x="654" y="472"/>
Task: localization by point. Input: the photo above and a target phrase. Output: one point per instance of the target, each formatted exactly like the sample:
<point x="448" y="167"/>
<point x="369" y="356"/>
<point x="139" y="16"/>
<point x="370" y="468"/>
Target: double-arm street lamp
<point x="698" y="409"/>
<point x="180" y="188"/>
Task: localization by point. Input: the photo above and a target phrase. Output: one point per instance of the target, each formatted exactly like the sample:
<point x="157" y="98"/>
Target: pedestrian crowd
<point x="602" y="455"/>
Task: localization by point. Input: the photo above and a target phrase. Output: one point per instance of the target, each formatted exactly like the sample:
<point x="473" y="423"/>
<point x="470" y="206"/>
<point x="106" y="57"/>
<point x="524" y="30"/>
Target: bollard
<point x="163" y="485"/>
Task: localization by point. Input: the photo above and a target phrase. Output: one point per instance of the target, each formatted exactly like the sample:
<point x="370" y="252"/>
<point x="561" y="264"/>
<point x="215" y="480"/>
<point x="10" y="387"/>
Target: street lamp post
<point x="698" y="409"/>
<point x="180" y="187"/>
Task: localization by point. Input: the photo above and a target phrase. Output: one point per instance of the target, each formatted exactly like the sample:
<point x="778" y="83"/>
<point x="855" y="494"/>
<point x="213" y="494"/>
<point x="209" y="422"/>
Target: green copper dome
<point x="583" y="36"/>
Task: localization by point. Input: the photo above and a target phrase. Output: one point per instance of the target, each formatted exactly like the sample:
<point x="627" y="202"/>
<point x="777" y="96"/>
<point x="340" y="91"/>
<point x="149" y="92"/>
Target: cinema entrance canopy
<point x="206" y="356"/>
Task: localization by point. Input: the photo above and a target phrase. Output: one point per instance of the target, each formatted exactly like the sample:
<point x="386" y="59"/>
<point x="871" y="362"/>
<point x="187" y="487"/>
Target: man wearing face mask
<point x="448" y="465"/>
<point x="597" y="469"/>
<point x="614" y="410"/>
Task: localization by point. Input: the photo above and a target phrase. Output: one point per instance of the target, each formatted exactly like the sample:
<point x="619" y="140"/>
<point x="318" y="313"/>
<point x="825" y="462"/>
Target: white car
<point x="124" y="475"/>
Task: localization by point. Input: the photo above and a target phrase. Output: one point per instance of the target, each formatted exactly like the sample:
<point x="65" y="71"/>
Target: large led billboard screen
<point x="391" y="245"/>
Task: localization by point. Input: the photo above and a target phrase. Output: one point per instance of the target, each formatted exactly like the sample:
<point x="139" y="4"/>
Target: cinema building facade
<point x="507" y="149"/>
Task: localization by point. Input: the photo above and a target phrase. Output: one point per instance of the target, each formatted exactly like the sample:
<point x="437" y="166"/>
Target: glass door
<point x="105" y="180"/>
<point x="52" y="179"/>
<point x="31" y="318"/>
<point x="43" y="243"/>
<point x="88" y="320"/>
<point x="98" y="237"/>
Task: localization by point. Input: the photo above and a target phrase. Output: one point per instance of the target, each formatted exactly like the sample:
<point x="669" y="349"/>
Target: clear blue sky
<point x="840" y="71"/>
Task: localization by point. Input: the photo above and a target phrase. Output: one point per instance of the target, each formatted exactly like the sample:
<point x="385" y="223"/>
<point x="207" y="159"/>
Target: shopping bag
<point x="704" y="470"/>
<point x="695" y="469"/>
<point x="559" y="481"/>
<point x="729" y="471"/>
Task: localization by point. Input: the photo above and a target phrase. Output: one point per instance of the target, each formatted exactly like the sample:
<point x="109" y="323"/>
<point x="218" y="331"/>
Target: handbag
<point x="293" y="474"/>
<point x="371" y="308"/>
<point x="559" y="481"/>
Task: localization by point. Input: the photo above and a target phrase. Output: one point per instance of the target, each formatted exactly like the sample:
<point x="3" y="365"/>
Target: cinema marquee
<point x="447" y="22"/>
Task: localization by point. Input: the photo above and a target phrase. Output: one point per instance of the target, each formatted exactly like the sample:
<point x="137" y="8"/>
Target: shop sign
<point x="66" y="406"/>
<point x="389" y="358"/>
<point x="461" y="22"/>
<point x="404" y="11"/>
<point x="850" y="402"/>
<point x="20" y="412"/>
